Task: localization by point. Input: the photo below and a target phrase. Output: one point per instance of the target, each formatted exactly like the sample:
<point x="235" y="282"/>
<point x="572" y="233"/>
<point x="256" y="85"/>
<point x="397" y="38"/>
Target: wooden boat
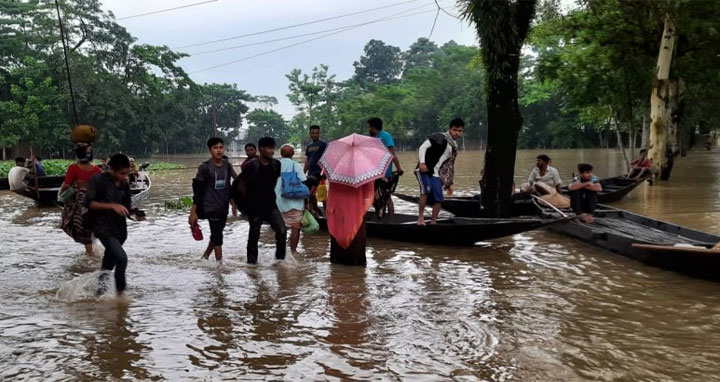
<point x="614" y="189"/>
<point x="447" y="231"/>
<point x="49" y="187"/>
<point x="42" y="181"/>
<point x="645" y="239"/>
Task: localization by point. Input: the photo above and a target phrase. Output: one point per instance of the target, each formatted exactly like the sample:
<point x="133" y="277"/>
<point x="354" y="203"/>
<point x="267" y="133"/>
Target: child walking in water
<point x="211" y="195"/>
<point x="108" y="198"/>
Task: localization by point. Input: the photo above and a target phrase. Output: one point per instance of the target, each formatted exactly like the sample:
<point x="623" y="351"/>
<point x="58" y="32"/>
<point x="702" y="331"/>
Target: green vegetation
<point x="181" y="203"/>
<point x="160" y="166"/>
<point x="53" y="167"/>
<point x="59" y="166"/>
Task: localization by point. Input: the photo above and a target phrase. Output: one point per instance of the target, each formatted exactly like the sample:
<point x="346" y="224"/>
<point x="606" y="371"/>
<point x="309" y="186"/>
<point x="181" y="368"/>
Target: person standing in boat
<point x="109" y="202"/>
<point x="17" y="174"/>
<point x="583" y="192"/>
<point x="72" y="193"/>
<point x="543" y="173"/>
<point x="436" y="168"/>
<point x="211" y="195"/>
<point x="384" y="186"/>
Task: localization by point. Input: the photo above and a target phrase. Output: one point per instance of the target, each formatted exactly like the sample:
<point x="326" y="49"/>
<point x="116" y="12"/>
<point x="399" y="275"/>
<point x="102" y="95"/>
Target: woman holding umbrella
<point x="352" y="164"/>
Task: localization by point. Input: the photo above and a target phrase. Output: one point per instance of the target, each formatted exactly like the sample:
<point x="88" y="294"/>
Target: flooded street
<point x="531" y="307"/>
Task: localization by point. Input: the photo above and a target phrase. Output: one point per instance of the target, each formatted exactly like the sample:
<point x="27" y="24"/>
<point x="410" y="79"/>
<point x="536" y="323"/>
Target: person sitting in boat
<point x="640" y="166"/>
<point x="134" y="173"/>
<point x="77" y="177"/>
<point x="583" y="192"/>
<point x="17" y="174"/>
<point x="39" y="166"/>
<point x="542" y="173"/>
<point x="436" y="168"/>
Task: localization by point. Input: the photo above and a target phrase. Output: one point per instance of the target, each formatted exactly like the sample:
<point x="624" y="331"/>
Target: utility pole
<point x="214" y="121"/>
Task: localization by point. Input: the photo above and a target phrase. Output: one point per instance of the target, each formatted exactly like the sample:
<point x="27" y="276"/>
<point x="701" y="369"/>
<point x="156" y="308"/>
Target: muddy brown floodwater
<point x="531" y="307"/>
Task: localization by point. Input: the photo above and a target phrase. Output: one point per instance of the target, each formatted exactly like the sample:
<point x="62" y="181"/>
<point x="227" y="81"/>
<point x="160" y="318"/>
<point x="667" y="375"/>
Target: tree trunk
<point x="620" y="143"/>
<point x="645" y="138"/>
<point x="504" y="123"/>
<point x="659" y="102"/>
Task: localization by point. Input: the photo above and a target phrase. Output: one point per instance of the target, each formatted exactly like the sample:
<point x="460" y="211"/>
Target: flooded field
<point x="532" y="307"/>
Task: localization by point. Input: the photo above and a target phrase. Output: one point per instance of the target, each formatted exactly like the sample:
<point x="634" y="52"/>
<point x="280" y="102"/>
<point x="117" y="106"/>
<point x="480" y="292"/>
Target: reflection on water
<point x="532" y="307"/>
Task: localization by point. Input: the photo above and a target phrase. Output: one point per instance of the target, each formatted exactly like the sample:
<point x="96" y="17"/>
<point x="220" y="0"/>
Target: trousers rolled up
<point x="115" y="257"/>
<point x="276" y="222"/>
<point x="583" y="201"/>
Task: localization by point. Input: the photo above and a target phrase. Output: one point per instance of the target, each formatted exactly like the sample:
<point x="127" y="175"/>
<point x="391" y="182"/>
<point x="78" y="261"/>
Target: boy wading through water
<point x="256" y="185"/>
<point x="211" y="195"/>
<point x="436" y="169"/>
<point x="583" y="193"/>
<point x="108" y="198"/>
<point x="290" y="208"/>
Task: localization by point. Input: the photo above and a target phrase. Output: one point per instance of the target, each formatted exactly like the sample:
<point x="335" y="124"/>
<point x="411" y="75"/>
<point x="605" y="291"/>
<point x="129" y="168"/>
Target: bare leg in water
<point x="294" y="239"/>
<point x="89" y="249"/>
<point x="210" y="248"/>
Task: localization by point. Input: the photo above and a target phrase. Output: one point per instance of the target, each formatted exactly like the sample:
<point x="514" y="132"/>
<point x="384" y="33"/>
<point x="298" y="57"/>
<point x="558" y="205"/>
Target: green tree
<point x="502" y="26"/>
<point x="381" y="64"/>
<point x="267" y="123"/>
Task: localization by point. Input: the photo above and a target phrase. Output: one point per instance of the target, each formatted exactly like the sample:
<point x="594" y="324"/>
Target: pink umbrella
<point x="355" y="160"/>
<point x="352" y="164"/>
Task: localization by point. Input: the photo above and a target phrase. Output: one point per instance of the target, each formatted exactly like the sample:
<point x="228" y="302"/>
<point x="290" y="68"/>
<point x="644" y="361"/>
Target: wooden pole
<point x="34" y="170"/>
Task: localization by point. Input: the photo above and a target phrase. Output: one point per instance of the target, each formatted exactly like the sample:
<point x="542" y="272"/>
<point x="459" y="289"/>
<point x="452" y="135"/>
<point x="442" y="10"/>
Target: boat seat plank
<point x="641" y="233"/>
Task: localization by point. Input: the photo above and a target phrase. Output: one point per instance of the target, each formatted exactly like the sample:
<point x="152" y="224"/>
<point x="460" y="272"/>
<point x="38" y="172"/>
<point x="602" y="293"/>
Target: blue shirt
<point x="285" y="204"/>
<point x="313" y="152"/>
<point x="389" y="142"/>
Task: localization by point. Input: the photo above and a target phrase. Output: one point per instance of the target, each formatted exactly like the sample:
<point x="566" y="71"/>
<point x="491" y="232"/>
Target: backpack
<point x="251" y="168"/>
<point x="292" y="187"/>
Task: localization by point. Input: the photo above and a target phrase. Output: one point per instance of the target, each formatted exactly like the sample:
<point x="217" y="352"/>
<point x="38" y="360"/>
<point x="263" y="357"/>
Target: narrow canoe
<point x="448" y="231"/>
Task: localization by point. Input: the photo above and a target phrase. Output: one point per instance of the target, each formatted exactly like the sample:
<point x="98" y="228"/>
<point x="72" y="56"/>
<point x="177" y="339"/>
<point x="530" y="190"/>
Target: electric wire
<point x="298" y="43"/>
<point x="295" y="25"/>
<point x="67" y="64"/>
<point x="387" y="18"/>
<point x="165" y="10"/>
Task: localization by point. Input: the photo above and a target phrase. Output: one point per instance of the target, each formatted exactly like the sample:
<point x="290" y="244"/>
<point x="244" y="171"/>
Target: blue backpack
<point x="292" y="187"/>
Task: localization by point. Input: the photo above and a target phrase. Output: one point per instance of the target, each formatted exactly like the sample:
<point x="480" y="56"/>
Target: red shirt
<point x="75" y="173"/>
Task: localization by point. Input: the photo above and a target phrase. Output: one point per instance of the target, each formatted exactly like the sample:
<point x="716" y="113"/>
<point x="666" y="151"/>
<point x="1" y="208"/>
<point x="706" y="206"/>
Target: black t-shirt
<point x="260" y="183"/>
<point x="107" y="223"/>
<point x="313" y="153"/>
<point x="215" y="193"/>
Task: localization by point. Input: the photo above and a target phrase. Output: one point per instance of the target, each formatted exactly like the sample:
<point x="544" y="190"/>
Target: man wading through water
<point x="211" y="195"/>
<point x="256" y="186"/>
<point x="108" y="198"/>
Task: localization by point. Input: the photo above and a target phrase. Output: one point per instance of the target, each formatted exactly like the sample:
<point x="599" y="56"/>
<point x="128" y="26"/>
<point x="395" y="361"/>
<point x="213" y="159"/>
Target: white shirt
<point x="551" y="177"/>
<point x="16" y="178"/>
<point x="444" y="157"/>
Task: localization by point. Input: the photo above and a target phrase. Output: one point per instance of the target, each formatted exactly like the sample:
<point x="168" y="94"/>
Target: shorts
<point x="292" y="218"/>
<point x="431" y="186"/>
<point x="216" y="230"/>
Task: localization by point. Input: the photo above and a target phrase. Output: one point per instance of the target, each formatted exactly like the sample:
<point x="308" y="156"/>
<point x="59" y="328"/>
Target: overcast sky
<point x="265" y="75"/>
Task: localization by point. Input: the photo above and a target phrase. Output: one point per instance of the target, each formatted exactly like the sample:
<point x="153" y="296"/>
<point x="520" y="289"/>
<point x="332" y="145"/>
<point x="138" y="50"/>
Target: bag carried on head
<point x="292" y="187"/>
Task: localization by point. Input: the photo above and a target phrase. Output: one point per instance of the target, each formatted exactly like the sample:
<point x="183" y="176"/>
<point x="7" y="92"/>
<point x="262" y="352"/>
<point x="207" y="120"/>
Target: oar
<point x="550" y="205"/>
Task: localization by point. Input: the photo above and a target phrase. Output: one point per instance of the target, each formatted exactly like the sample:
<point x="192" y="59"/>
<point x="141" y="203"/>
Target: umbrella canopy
<point x="355" y="160"/>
